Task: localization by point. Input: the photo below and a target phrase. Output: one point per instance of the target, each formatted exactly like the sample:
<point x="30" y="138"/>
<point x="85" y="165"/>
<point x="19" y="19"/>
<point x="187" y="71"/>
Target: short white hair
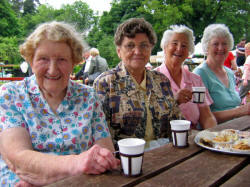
<point x="216" y="30"/>
<point x="182" y="29"/>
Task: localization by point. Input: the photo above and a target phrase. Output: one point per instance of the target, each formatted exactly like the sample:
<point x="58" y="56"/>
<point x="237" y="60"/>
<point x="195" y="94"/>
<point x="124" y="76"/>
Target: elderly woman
<point x="177" y="43"/>
<point x="137" y="102"/>
<point x="220" y="80"/>
<point x="51" y="127"/>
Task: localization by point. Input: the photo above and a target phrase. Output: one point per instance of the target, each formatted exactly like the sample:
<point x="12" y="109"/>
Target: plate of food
<point x="227" y="141"/>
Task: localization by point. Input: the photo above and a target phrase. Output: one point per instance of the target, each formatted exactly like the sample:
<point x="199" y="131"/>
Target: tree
<point x="9" y="51"/>
<point x="9" y="25"/>
<point x="120" y="11"/>
<point x="78" y="14"/>
<point x="108" y="50"/>
<point x="17" y="6"/>
<point x="197" y="14"/>
<point x="24" y="7"/>
<point x="192" y="13"/>
<point x="29" y="7"/>
<point x="236" y="16"/>
<point x="43" y="14"/>
<point x="102" y="34"/>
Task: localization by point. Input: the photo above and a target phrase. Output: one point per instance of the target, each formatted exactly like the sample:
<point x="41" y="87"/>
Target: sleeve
<point x="92" y="66"/>
<point x="10" y="116"/>
<point x="102" y="88"/>
<point x="99" y="126"/>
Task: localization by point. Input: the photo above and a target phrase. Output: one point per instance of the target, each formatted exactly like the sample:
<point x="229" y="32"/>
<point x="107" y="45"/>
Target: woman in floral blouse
<point x="51" y="127"/>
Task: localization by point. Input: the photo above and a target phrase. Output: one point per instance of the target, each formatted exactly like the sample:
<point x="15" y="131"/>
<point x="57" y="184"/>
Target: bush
<point x="9" y="52"/>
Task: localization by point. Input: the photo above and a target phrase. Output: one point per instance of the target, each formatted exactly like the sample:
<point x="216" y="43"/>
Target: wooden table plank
<point x="205" y="169"/>
<point x="171" y="161"/>
<point x="242" y="179"/>
<point x="212" y="167"/>
<point x="155" y="162"/>
<point x="241" y="123"/>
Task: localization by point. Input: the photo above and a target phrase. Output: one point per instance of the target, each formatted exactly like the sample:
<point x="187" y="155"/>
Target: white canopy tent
<point x="198" y="49"/>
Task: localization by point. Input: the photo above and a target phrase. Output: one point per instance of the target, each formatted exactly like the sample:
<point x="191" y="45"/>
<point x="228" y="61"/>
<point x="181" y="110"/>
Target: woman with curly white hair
<point x="58" y="126"/>
<point x="220" y="80"/>
<point x="177" y="43"/>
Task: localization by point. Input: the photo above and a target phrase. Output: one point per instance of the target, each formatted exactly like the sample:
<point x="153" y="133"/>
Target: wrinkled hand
<point x="183" y="96"/>
<point x="244" y="110"/>
<point x="97" y="160"/>
<point x="23" y="184"/>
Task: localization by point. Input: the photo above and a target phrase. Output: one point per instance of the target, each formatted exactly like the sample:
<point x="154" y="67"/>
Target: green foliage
<point x="102" y="34"/>
<point x="18" y="18"/>
<point x="29" y="7"/>
<point x="95" y="36"/>
<point x="105" y="44"/>
<point x="77" y="68"/>
<point x="8" y="21"/>
<point x="78" y="14"/>
<point x="24" y="7"/>
<point x="121" y="11"/>
<point x="17" y="6"/>
<point x="44" y="14"/>
<point x="197" y="14"/>
<point x="9" y="51"/>
<point x="107" y="50"/>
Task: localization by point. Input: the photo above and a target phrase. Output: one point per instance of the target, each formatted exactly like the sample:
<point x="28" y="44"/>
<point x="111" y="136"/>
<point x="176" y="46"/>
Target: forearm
<point x="222" y="116"/>
<point x="32" y="166"/>
<point x="209" y="122"/>
<point x="41" y="169"/>
<point x="207" y="119"/>
<point x="240" y="52"/>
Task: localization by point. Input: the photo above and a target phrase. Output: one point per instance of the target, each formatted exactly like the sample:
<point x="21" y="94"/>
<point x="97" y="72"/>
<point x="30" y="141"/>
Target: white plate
<point x="218" y="148"/>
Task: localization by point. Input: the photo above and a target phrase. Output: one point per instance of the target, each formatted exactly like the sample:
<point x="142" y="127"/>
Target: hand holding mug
<point x="183" y="96"/>
<point x="96" y="161"/>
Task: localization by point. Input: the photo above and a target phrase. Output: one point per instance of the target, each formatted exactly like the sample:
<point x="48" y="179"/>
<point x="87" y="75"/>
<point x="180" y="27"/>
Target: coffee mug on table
<point x="198" y="94"/>
<point x="180" y="130"/>
<point x="131" y="153"/>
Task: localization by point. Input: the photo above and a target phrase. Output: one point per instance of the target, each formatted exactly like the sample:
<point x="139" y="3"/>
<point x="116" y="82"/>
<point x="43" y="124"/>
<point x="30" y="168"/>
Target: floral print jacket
<point x="124" y="104"/>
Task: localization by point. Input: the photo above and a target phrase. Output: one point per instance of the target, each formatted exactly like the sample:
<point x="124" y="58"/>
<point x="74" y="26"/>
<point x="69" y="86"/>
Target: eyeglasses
<point x="142" y="47"/>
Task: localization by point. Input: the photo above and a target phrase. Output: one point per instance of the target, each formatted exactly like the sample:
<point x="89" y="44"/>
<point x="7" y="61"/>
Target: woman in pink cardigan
<point x="177" y="43"/>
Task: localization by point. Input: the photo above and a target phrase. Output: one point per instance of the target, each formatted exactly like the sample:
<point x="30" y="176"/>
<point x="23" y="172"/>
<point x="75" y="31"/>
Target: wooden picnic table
<point x="170" y="166"/>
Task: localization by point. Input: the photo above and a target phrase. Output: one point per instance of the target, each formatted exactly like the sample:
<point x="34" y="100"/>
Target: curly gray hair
<point x="178" y="29"/>
<point x="216" y="30"/>
<point x="133" y="26"/>
<point x="54" y="31"/>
